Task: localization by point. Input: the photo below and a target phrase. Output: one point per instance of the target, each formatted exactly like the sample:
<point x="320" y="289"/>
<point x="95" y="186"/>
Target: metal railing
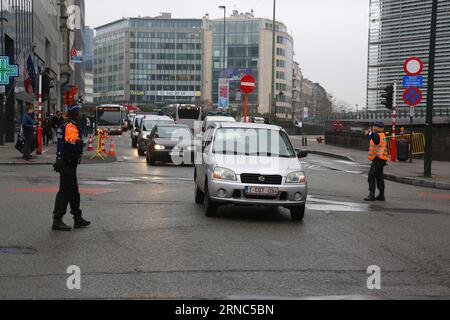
<point x="418" y="143"/>
<point x="384" y="114"/>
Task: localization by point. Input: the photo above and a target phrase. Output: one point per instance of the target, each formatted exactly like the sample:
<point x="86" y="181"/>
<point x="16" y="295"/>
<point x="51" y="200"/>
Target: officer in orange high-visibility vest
<point x="378" y="154"/>
<point x="69" y="152"/>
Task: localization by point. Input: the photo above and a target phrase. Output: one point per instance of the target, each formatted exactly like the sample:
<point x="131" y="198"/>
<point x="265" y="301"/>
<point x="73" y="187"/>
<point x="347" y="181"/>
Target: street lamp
<point x="224" y="33"/>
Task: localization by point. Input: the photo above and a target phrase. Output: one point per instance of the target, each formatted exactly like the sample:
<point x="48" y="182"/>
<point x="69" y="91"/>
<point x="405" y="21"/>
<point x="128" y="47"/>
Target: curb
<point x="331" y="155"/>
<point x="417" y="182"/>
<point x="391" y="177"/>
<point x="27" y="164"/>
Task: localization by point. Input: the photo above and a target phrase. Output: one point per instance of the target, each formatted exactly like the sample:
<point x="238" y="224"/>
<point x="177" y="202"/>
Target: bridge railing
<point x="443" y="112"/>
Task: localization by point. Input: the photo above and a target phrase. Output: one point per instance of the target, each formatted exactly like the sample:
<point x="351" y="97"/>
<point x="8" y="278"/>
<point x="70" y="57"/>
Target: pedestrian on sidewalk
<point x="29" y="126"/>
<point x="69" y="152"/>
<point x="46" y="130"/>
<point x="54" y="124"/>
<point x="378" y="154"/>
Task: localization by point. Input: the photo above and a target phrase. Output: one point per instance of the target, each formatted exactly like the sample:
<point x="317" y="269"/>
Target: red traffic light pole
<point x="39" y="129"/>
<point x="394" y="127"/>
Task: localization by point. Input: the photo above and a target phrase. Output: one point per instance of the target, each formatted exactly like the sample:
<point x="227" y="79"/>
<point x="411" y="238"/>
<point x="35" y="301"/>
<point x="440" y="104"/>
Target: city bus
<point x="111" y="118"/>
<point x="185" y="114"/>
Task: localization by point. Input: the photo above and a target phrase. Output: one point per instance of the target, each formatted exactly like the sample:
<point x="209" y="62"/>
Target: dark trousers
<point x="68" y="194"/>
<point x="376" y="176"/>
<point x="27" y="145"/>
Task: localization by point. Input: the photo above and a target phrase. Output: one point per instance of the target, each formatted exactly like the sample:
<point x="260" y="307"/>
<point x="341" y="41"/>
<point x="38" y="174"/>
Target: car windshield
<point x="173" y="133"/>
<point x="148" y="125"/>
<point x="253" y="142"/>
<point x="189" y="113"/>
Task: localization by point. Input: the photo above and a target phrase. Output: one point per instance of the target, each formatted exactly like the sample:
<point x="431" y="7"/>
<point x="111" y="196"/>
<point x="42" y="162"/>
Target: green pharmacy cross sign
<point x="7" y="71"/>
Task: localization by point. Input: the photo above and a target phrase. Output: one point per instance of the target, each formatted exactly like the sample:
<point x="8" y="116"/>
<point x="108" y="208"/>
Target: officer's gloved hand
<point x="80" y="144"/>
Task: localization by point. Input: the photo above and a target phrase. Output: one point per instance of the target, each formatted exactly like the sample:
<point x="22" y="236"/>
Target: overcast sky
<point x="331" y="36"/>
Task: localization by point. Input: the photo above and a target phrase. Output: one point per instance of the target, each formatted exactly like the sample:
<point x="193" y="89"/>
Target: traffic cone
<point x="90" y="147"/>
<point x="103" y="147"/>
<point x="112" y="149"/>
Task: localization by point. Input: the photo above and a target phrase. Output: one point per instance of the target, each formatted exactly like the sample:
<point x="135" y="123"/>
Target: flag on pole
<point x="29" y="75"/>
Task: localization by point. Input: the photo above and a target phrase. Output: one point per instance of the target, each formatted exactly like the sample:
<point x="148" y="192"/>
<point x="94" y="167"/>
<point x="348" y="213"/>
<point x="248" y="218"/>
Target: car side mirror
<point x="302" y="154"/>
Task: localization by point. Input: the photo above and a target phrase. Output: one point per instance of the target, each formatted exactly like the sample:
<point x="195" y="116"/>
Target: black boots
<point x="371" y="198"/>
<point x="59" y="225"/>
<point x="81" y="223"/>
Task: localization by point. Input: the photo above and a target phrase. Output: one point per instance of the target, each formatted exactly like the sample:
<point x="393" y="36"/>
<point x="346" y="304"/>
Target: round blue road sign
<point x="412" y="96"/>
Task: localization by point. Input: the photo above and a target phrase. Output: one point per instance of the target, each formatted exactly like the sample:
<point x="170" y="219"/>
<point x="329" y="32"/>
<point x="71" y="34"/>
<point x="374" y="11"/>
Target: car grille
<point x="261" y="179"/>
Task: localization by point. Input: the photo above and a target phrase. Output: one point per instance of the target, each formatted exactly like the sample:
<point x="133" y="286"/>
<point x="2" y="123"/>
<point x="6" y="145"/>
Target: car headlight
<point x="159" y="147"/>
<point x="224" y="174"/>
<point x="298" y="177"/>
<point x="190" y="148"/>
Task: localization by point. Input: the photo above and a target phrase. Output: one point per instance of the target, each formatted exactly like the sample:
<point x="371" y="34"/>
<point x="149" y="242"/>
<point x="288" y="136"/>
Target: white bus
<point x="185" y="114"/>
<point x="110" y="117"/>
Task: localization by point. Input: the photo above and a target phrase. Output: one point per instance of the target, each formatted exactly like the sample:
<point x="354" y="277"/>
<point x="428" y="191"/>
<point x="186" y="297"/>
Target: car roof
<point x="219" y="118"/>
<point x="173" y="125"/>
<point x="154" y="117"/>
<point x="240" y="125"/>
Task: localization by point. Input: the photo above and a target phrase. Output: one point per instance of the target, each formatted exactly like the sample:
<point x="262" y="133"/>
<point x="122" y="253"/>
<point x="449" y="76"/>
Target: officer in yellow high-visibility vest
<point x="378" y="154"/>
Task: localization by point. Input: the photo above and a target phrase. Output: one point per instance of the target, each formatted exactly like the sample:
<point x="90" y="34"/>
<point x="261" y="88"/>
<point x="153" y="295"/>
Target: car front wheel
<point x="298" y="213"/>
<point x="150" y="160"/>
<point x="210" y="206"/>
<point x="199" y="195"/>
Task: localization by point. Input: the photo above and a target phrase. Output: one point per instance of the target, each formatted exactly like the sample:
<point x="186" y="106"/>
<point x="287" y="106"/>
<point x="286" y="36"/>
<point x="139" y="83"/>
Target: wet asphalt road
<point x="150" y="240"/>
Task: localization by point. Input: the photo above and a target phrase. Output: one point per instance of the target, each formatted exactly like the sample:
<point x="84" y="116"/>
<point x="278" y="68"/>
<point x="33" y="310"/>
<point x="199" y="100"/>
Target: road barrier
<point x="101" y="147"/>
<point x="418" y="143"/>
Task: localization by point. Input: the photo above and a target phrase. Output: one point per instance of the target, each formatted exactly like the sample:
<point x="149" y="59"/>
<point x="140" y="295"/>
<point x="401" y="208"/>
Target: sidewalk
<point x="9" y="156"/>
<point x="402" y="172"/>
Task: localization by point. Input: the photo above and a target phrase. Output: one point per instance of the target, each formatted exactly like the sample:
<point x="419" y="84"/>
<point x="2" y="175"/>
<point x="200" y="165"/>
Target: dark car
<point x="171" y="144"/>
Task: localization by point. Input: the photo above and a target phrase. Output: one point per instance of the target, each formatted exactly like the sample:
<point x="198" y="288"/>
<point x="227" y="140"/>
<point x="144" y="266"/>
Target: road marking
<point x="318" y="204"/>
<point x="87" y="191"/>
<point x="436" y="196"/>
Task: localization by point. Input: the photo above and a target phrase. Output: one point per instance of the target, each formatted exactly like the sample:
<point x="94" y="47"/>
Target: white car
<point x="211" y="120"/>
<point x="247" y="164"/>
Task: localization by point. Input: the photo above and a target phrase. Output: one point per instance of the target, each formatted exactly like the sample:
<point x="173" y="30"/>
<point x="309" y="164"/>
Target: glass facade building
<point x="248" y="47"/>
<point x="241" y="52"/>
<point x="400" y="29"/>
<point x="149" y="61"/>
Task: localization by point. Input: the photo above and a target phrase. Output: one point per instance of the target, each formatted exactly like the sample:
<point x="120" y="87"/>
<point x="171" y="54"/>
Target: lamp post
<point x="273" y="103"/>
<point x="431" y="70"/>
<point x="224" y="34"/>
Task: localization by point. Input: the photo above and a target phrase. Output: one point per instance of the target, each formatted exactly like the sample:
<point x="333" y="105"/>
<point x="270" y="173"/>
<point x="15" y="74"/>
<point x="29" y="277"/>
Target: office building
<point x="149" y="61"/>
<point x="28" y="28"/>
<point x="248" y="49"/>
<point x="400" y="29"/>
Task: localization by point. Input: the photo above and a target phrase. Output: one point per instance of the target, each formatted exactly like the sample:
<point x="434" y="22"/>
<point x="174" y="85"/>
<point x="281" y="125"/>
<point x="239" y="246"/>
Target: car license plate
<point x="261" y="191"/>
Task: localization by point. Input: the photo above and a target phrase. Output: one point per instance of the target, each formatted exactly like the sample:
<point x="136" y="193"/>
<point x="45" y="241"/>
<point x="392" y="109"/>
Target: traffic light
<point x="47" y="84"/>
<point x="388" y="97"/>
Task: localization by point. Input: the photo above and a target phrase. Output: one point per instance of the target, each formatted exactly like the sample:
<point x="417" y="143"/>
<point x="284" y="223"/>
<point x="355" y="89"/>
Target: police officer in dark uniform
<point x="70" y="149"/>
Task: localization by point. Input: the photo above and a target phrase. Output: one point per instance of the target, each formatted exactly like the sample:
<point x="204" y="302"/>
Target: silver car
<point x="250" y="165"/>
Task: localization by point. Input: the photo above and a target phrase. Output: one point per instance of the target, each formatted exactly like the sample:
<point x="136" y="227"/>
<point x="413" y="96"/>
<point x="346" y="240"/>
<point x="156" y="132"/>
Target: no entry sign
<point x="413" y="66"/>
<point x="412" y="96"/>
<point x="248" y="84"/>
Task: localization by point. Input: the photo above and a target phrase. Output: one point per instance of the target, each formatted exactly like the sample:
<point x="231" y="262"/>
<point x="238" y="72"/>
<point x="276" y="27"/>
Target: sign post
<point x="412" y="96"/>
<point x="248" y="85"/>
